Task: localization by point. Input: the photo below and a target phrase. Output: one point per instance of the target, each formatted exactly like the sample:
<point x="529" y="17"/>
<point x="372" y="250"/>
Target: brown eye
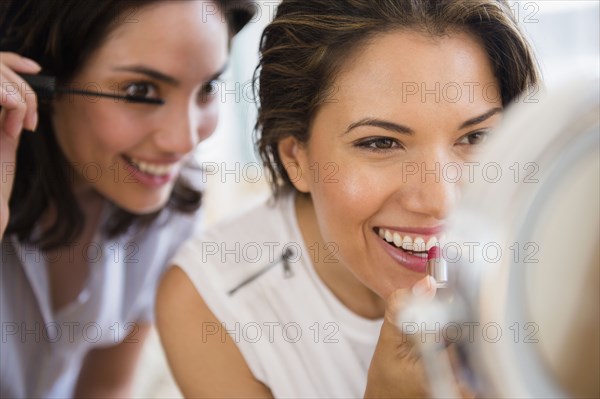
<point x="475" y="138"/>
<point x="209" y="91"/>
<point x="378" y="143"/>
<point x="141" y="89"/>
<point x="383" y="144"/>
<point x="211" y="87"/>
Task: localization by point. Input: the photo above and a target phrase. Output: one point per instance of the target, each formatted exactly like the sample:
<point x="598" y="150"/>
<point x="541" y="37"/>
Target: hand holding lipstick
<point x="397" y="369"/>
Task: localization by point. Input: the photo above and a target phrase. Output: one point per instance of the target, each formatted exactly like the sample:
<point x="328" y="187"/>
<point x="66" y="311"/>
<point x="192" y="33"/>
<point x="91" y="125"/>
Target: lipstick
<point x="437" y="266"/>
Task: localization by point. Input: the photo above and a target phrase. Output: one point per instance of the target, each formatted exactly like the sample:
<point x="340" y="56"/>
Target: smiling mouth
<point x="412" y="244"/>
<point x="157" y="170"/>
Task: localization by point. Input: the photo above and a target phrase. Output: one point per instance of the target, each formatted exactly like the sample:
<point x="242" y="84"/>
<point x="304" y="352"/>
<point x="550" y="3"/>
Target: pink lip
<point x="416" y="230"/>
<point x="406" y="260"/>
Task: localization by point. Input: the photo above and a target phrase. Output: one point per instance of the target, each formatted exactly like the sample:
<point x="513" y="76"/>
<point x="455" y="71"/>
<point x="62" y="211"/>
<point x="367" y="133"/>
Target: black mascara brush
<point x="45" y="87"/>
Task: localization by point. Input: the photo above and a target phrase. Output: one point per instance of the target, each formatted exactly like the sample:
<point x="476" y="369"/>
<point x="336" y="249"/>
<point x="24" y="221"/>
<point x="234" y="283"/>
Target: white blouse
<point x="41" y="351"/>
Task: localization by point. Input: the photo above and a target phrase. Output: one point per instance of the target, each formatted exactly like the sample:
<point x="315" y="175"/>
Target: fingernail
<point x="31" y="63"/>
<point x="423" y="286"/>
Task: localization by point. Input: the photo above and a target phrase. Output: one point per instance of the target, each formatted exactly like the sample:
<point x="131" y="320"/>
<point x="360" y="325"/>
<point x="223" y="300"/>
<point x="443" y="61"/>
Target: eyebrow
<point x="154" y="74"/>
<point x="394" y="127"/>
<point x="397" y="128"/>
<point x="481" y="118"/>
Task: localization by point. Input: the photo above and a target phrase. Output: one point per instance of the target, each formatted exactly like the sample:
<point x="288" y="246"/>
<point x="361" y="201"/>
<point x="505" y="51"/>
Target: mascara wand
<point x="45" y="87"/>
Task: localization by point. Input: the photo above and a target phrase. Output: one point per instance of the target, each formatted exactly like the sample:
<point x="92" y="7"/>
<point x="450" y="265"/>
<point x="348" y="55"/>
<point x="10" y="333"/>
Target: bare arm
<point x="203" y="365"/>
<point x="108" y="372"/>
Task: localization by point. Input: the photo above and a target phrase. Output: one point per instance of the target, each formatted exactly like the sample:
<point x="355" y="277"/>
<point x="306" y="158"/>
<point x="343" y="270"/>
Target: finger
<point x="18" y="63"/>
<point x="10" y="64"/>
<point x="13" y="111"/>
<point x="423" y="289"/>
<point x="396" y="303"/>
<point x="20" y="101"/>
<point x="13" y="82"/>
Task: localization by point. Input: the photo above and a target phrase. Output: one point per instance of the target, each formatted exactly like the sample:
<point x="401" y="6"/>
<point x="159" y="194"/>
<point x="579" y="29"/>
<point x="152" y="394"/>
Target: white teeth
<point x="153" y="169"/>
<point x="409" y="243"/>
<point x="388" y="236"/>
<point x="419" y="244"/>
<point x="397" y="239"/>
<point x="431" y="243"/>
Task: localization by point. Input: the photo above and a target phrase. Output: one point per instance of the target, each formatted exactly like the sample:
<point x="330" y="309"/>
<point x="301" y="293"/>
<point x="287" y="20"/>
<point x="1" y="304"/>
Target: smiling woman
<point x="93" y="189"/>
<point x="363" y="104"/>
<point x="371" y="142"/>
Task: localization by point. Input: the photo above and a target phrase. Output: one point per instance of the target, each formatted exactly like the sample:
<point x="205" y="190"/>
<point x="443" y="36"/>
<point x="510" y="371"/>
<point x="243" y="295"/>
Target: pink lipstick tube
<point x="437" y="266"/>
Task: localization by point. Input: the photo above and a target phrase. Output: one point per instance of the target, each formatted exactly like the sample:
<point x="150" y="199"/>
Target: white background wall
<point x="564" y="33"/>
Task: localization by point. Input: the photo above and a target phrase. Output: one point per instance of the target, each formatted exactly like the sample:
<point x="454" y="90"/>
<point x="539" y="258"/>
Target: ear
<point x="295" y="161"/>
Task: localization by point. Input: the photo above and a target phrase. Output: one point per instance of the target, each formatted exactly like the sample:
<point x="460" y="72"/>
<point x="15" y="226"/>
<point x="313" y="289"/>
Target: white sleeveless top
<point x="295" y="335"/>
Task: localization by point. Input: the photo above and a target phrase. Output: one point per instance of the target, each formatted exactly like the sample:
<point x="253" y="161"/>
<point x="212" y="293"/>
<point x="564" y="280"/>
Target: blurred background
<point x="565" y="35"/>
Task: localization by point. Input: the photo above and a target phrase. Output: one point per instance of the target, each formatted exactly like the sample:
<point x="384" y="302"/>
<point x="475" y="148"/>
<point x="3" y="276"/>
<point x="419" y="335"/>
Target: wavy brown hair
<point x="61" y="35"/>
<point x="308" y="41"/>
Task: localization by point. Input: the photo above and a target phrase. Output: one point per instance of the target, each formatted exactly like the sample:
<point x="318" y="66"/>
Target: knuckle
<point x="20" y="107"/>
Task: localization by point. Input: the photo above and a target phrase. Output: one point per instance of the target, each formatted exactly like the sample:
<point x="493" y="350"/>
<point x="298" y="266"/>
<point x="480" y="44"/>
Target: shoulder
<point x="244" y="252"/>
<point x="199" y="353"/>
<point x="181" y="313"/>
<point x="176" y="291"/>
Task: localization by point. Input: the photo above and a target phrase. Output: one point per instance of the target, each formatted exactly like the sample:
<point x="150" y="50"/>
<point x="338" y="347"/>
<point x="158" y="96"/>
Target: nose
<point x="429" y="187"/>
<point x="182" y="126"/>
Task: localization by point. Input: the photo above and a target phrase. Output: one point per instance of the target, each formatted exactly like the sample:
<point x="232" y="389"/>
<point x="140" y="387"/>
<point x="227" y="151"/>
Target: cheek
<point x="350" y="184"/>
<point x="346" y="195"/>
<point x="117" y="131"/>
<point x="99" y="133"/>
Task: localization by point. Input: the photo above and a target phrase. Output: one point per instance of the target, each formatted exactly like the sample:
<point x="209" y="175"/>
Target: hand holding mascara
<point x="18" y="109"/>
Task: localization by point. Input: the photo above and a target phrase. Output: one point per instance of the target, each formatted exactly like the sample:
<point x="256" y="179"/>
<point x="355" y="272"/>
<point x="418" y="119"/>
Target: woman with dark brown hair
<point x="93" y="203"/>
<point x="362" y="105"/>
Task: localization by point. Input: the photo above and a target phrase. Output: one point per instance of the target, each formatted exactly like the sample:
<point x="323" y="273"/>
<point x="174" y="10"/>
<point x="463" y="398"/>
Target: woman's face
<point x="132" y="153"/>
<point x="383" y="152"/>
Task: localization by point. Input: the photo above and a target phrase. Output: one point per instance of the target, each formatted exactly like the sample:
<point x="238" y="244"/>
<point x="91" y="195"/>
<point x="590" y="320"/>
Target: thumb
<point x="392" y="335"/>
<point x="423" y="290"/>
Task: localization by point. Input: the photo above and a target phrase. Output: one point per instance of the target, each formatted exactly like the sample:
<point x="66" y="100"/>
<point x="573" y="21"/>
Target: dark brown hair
<point x="61" y="35"/>
<point x="305" y="45"/>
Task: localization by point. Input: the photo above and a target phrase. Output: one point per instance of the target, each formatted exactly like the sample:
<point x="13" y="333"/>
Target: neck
<point x="334" y="274"/>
